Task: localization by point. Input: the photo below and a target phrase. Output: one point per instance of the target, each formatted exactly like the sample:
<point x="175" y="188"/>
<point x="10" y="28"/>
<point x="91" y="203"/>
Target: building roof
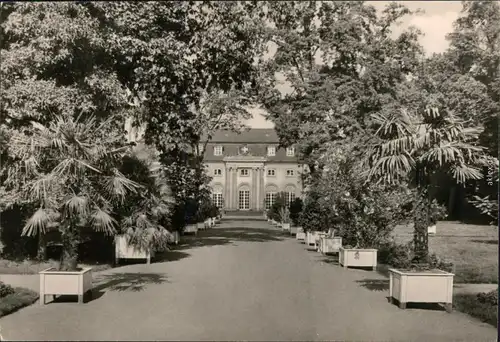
<point x="254" y="135"/>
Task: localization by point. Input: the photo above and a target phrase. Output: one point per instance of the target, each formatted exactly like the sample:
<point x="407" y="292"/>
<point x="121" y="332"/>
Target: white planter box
<point x="286" y="227"/>
<point x="279" y="224"/>
<point x="330" y="245"/>
<point x="125" y="251"/>
<point x="433" y="286"/>
<point x="358" y="258"/>
<point x="174" y="237"/>
<point x="300" y="234"/>
<point x="191" y="228"/>
<point x="312" y="238"/>
<point x="431" y="230"/>
<point x="57" y="283"/>
<point x="293" y="230"/>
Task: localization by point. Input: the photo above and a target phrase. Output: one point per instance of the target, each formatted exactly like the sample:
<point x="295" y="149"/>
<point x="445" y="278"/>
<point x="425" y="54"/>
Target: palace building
<point x="249" y="169"/>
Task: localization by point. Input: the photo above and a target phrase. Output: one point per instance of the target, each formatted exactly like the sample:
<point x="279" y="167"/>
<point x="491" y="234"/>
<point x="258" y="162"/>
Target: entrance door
<point x="244" y="199"/>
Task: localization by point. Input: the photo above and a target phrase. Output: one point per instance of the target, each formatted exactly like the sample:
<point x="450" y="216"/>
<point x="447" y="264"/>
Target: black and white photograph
<point x="249" y="170"/>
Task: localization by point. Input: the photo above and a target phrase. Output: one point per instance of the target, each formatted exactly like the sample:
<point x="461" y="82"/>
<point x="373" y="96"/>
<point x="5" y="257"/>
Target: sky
<point x="435" y="22"/>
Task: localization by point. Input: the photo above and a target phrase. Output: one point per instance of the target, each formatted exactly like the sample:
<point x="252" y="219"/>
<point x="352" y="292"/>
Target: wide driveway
<point x="240" y="281"/>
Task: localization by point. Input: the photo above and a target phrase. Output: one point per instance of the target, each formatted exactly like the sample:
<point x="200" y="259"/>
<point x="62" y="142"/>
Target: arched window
<point x="271" y="193"/>
<point x="217" y="196"/>
<point x="289" y="195"/>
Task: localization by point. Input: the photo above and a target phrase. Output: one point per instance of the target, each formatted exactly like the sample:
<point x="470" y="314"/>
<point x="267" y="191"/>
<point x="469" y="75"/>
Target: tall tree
<point x="54" y="62"/>
<point x="341" y="63"/>
<point x="190" y="67"/>
<point x="475" y="49"/>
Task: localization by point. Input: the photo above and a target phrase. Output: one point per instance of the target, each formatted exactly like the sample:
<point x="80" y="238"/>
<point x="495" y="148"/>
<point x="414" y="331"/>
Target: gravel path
<point x="240" y="281"/>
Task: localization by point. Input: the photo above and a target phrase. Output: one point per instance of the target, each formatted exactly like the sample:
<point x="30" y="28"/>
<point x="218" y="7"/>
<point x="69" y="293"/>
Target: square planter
<point x="358" y="257"/>
<point x="293" y="230"/>
<point x="192" y="228"/>
<point x="301" y="235"/>
<point x="330" y="245"/>
<point x="431" y="230"/>
<point x="279" y="225"/>
<point x="312" y="238"/>
<point x="125" y="251"/>
<point x="432" y="286"/>
<point x="286" y="227"/>
<point x="57" y="283"/>
<point x="174" y="237"/>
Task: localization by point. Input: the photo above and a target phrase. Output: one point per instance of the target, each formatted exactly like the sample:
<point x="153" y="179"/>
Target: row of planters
<point x="130" y="246"/>
<point x="80" y="180"/>
<point x="346" y="214"/>
<point x="196" y="217"/>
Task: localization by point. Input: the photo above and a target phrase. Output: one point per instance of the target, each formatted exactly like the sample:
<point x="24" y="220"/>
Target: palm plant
<point x="145" y="215"/>
<point x="69" y="168"/>
<point x="284" y="215"/>
<point x="416" y="147"/>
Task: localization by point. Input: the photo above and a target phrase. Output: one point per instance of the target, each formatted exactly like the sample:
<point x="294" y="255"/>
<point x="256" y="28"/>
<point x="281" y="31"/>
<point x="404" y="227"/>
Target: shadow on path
<point x="134" y="282"/>
<point x="377" y="285"/>
<point x="224" y="236"/>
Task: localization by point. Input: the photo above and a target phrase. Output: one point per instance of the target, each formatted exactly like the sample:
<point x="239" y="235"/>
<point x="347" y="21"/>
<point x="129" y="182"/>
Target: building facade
<point x="249" y="170"/>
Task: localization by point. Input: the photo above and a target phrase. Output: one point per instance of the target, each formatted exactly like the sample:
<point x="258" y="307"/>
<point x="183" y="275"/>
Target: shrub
<point x="295" y="210"/>
<point x="5" y="289"/>
<point x="480" y="306"/>
<point x="490" y="298"/>
<point x="402" y="256"/>
<point x="20" y="298"/>
<point x="396" y="255"/>
<point x="278" y="204"/>
<point x="312" y="218"/>
<point x="214" y="211"/>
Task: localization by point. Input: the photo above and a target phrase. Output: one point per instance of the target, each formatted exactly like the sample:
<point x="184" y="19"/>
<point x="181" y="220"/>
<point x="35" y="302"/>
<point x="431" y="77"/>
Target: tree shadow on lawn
<point x="487" y="242"/>
<point x="224" y="236"/>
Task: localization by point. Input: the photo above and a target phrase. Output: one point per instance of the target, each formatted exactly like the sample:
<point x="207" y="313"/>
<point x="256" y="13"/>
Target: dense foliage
<point x="295" y="209"/>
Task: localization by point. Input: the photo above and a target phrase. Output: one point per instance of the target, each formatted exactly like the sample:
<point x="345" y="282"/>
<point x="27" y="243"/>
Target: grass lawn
<point x="34" y="266"/>
<point x="469" y="304"/>
<point x="20" y="298"/>
<point x="472" y="248"/>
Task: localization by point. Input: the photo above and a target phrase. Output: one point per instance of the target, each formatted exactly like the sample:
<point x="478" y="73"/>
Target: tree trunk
<point x="69" y="257"/>
<point x="42" y="247"/>
<point x="421" y="222"/>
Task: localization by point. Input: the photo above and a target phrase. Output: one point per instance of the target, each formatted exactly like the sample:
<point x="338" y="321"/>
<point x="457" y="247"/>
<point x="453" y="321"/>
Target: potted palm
<point x="285" y="219"/>
<point x="424" y="144"/>
<point x="71" y="170"/>
<point x="144" y="216"/>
